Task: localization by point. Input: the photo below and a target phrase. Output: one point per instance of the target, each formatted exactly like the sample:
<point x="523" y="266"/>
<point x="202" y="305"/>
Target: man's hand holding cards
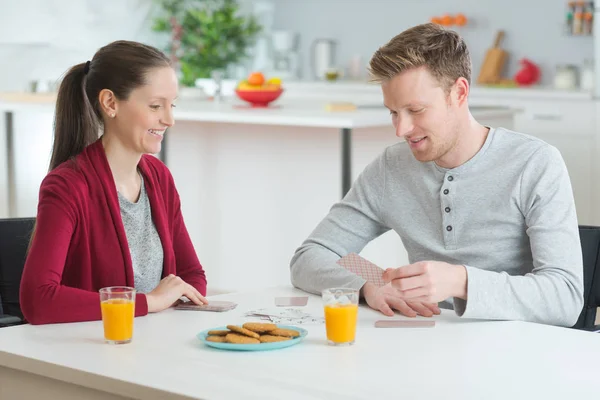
<point x="381" y="296"/>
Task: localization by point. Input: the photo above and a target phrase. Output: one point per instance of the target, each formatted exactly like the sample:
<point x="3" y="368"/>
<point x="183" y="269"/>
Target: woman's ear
<point x="108" y="103"/>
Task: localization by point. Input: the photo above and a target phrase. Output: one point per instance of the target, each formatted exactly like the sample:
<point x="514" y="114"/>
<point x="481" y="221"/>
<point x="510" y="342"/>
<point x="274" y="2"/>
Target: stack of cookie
<point x="252" y="333"/>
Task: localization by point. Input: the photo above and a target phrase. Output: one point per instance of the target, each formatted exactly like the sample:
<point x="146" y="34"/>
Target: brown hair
<point x="120" y="66"/>
<point x="442" y="51"/>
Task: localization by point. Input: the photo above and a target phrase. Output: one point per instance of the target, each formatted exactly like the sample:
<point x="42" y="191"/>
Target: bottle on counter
<point x="577" y="21"/>
<point x="588" y="22"/>
<point x="569" y="19"/>
<point x="587" y="75"/>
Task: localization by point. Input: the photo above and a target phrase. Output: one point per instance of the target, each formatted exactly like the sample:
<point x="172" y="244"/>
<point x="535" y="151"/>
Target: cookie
<point x="236" y="338"/>
<point x="259" y="327"/>
<point x="218" y="333"/>
<point x="284" y="332"/>
<point x="243" y="331"/>
<point x="271" y="338"/>
<point x="218" y="339"/>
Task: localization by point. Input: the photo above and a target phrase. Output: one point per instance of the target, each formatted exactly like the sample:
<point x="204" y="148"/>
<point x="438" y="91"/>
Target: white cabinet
<point x="552" y="117"/>
<point x="570" y="126"/>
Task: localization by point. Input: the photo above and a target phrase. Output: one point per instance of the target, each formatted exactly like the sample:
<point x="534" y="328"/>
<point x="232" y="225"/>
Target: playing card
<point x="299" y="301"/>
<point x="280" y="312"/>
<point x="218" y="306"/>
<point x="286" y="316"/>
<point x="363" y="268"/>
<point x="404" y="324"/>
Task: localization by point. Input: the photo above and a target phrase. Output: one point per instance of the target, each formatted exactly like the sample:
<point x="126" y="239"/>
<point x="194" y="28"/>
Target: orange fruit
<point x="256" y="78"/>
<point x="436" y="20"/>
<point x="460" y="20"/>
<point x="447" y="20"/>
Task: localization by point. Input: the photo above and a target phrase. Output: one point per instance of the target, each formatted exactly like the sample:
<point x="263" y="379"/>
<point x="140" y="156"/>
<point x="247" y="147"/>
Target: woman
<point x="108" y="213"/>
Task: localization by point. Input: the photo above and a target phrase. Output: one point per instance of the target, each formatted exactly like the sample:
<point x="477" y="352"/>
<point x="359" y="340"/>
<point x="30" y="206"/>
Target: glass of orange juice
<point x="341" y="313"/>
<point x="118" y="310"/>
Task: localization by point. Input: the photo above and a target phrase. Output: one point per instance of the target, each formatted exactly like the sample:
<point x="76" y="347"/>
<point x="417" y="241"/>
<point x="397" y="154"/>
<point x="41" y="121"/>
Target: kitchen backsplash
<point x="535" y="29"/>
<point x="41" y="38"/>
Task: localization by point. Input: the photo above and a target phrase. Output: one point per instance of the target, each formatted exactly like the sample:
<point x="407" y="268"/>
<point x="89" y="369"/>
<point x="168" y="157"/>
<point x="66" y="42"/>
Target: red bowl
<point x="259" y="98"/>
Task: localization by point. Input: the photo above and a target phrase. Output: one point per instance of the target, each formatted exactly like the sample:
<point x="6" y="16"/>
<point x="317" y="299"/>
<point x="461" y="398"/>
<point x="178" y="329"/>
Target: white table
<point x="457" y="359"/>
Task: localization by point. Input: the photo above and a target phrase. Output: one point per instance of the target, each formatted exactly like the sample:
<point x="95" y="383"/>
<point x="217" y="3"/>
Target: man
<point x="486" y="215"/>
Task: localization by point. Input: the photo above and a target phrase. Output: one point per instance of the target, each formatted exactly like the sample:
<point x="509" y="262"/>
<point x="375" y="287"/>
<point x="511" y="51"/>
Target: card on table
<point x="404" y="324"/>
<point x="363" y="268"/>
<point x="218" y="306"/>
<point x="298" y="301"/>
<point x="286" y="316"/>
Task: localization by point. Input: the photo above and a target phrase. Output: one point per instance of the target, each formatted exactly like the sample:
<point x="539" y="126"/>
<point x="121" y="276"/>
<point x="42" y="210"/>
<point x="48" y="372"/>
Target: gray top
<point x="144" y="243"/>
<point x="507" y="214"/>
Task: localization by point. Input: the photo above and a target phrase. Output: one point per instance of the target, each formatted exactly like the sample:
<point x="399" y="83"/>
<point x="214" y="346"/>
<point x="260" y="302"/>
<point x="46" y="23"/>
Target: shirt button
<point x="446" y="191"/>
<point x="449" y="228"/>
<point x="450" y="178"/>
<point x="447" y="209"/>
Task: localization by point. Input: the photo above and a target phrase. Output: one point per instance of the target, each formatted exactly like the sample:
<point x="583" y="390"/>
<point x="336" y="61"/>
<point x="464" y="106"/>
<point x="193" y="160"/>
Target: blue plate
<point x="253" y="347"/>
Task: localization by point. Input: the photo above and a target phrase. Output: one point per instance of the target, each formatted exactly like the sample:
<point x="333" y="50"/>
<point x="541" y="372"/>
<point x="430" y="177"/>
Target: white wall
<point x="41" y="39"/>
<point x="534" y="28"/>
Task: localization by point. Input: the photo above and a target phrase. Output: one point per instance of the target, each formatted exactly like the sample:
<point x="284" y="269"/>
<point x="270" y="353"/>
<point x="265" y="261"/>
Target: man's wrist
<point x="460" y="285"/>
<point x="366" y="289"/>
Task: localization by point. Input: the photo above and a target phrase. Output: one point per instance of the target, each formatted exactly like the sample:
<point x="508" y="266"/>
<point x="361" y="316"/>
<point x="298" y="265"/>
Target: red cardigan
<point x="80" y="246"/>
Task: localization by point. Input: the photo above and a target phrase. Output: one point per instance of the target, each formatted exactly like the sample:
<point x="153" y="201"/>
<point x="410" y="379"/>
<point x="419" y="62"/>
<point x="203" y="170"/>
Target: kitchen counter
<point x="285" y="112"/>
<point x="15" y="101"/>
<point x="351" y="90"/>
<point x="323" y="89"/>
<point x="301" y="113"/>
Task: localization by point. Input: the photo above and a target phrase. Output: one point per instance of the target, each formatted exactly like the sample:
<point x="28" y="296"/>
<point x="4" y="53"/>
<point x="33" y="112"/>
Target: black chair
<point x="14" y="241"/>
<point x="590" y="246"/>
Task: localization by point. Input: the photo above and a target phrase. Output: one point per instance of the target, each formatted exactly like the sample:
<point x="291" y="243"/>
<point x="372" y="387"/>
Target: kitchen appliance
<point x="261" y="57"/>
<point x="323" y="57"/>
<point x="587" y="75"/>
<point x="284" y="46"/>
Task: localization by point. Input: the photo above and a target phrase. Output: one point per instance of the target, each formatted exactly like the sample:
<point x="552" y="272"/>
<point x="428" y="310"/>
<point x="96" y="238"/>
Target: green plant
<point x="206" y="35"/>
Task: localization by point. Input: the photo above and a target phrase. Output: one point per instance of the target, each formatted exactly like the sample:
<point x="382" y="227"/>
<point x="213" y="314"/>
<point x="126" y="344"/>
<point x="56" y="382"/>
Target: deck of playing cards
<point x="363" y="268"/>
<point x="218" y="306"/>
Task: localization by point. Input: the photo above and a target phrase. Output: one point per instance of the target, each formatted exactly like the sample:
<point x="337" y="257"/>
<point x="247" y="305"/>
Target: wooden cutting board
<point x="495" y="58"/>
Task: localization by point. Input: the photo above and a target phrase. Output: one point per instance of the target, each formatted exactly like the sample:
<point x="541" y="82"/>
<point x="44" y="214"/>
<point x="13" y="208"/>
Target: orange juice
<point x="340" y="322"/>
<point x="117" y="316"/>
